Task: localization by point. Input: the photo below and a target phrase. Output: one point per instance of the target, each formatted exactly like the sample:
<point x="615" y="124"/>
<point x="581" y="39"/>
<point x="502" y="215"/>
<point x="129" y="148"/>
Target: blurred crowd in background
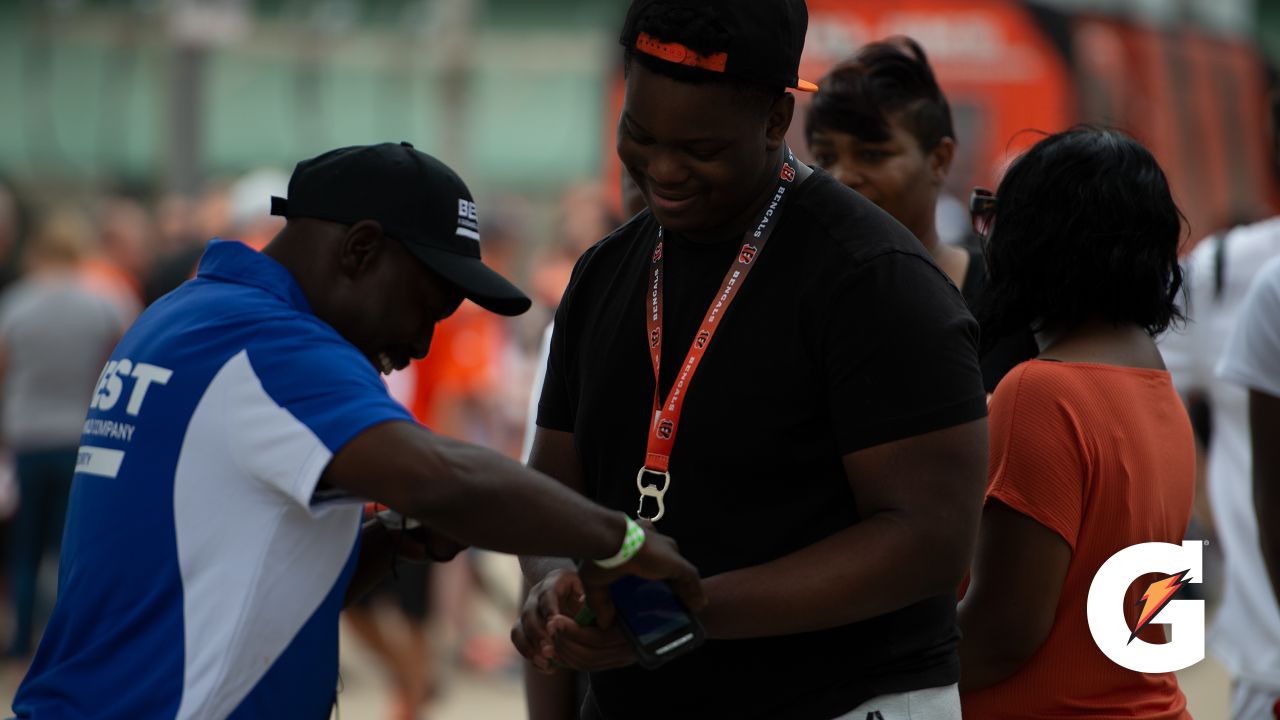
<point x="139" y="129"/>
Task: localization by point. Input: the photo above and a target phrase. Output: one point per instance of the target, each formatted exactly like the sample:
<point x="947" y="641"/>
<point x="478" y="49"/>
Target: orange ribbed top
<point x="1103" y="456"/>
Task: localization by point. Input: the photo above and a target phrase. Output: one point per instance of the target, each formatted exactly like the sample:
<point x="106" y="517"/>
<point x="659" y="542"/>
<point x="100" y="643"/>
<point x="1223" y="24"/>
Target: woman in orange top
<point x="1091" y="450"/>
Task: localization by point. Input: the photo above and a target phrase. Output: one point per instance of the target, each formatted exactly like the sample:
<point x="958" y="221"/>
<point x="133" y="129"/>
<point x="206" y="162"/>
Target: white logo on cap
<point x="468" y="223"/>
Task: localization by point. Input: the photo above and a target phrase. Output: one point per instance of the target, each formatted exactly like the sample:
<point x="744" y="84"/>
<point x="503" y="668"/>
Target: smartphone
<point x="654" y="619"/>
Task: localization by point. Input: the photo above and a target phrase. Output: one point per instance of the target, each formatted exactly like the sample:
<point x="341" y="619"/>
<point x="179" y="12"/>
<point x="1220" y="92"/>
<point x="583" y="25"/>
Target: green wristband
<point x="632" y="541"/>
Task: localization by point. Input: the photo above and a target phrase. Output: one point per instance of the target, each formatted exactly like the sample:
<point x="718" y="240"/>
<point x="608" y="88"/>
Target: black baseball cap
<point x="764" y="39"/>
<point x="418" y="200"/>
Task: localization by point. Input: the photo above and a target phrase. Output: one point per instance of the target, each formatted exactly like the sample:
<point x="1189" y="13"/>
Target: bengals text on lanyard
<point x="666" y="416"/>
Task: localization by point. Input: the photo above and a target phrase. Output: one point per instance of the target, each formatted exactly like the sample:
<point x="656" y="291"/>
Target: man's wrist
<point x="537" y="569"/>
<point x="632" y="540"/>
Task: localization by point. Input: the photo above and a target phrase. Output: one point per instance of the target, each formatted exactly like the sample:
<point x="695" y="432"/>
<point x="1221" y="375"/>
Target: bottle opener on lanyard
<point x="666" y="416"/>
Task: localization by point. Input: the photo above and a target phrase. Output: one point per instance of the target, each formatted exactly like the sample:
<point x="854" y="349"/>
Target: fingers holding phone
<point x="656" y="558"/>
<point x="559" y="594"/>
<point x="589" y="648"/>
<point x="653" y="588"/>
<point x="657" y="625"/>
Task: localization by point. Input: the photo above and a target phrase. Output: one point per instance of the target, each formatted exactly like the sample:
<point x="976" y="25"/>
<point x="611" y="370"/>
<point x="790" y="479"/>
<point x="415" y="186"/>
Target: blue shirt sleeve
<point x="317" y="393"/>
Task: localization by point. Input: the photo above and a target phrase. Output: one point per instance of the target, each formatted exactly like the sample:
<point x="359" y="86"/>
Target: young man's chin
<point x="684" y="222"/>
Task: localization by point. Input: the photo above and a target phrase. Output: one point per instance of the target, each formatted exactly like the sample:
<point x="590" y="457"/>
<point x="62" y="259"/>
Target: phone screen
<point x="649" y="608"/>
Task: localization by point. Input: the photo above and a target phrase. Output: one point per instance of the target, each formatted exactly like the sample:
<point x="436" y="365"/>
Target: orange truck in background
<point x="1012" y="71"/>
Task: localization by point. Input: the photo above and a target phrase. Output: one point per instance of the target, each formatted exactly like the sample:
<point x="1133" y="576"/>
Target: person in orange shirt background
<point x="121" y="255"/>
<point x="460" y="389"/>
<point x="1091" y="450"/>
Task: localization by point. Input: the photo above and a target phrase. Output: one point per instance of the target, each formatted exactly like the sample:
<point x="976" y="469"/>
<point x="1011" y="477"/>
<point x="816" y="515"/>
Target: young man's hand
<point x="658" y="559"/>
<point x="548" y="634"/>
<point x="588" y="648"/>
<point x="559" y="594"/>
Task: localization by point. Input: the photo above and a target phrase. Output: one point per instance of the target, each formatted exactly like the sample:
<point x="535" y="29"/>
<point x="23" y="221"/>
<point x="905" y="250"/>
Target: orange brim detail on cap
<point x="679" y="54"/>
<point x="806" y="86"/>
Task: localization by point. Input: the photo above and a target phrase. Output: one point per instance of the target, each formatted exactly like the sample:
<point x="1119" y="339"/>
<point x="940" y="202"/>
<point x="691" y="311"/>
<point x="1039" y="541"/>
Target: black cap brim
<point x="479" y="283"/>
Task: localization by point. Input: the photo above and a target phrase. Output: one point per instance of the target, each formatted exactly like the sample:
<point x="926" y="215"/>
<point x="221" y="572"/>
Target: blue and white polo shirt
<point x="201" y="574"/>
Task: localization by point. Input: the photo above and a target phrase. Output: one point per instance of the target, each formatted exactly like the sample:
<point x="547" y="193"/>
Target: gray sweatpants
<point x="940" y="703"/>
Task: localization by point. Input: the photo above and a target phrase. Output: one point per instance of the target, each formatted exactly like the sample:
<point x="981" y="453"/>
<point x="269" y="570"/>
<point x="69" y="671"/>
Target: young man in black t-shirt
<point x="817" y="441"/>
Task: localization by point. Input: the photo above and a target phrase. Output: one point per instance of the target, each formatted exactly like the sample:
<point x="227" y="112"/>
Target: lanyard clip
<point x="654" y="491"/>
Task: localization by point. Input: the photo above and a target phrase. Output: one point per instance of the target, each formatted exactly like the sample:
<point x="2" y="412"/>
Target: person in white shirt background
<point x="1252" y="362"/>
<point x="1245" y="632"/>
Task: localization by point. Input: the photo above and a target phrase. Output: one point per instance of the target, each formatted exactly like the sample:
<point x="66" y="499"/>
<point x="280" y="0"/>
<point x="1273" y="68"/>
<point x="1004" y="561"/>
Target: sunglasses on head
<point x="982" y="210"/>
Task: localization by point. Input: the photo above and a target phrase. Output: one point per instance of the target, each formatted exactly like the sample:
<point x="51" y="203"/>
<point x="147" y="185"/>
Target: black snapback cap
<point x="765" y="39"/>
<point x="418" y="200"/>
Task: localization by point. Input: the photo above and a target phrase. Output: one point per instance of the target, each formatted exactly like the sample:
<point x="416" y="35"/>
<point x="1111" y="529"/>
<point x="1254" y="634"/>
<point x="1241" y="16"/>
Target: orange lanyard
<point x="666" y="415"/>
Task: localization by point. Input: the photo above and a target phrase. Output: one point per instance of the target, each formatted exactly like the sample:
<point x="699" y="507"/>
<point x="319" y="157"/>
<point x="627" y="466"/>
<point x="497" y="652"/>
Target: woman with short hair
<point x="881" y="125"/>
<point x="1091" y="449"/>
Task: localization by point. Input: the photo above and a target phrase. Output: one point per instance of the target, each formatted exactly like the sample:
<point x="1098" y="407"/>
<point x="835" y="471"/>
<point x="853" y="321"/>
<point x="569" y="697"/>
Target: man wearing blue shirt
<point x="214" y="530"/>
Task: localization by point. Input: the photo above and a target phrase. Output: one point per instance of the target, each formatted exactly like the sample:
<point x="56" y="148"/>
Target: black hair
<point x="1085" y="228"/>
<point x="882" y="79"/>
<point x="697" y="29"/>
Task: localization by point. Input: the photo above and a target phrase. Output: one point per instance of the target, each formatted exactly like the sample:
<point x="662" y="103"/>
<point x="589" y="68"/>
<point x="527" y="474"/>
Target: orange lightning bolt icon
<point x="1158" y="594"/>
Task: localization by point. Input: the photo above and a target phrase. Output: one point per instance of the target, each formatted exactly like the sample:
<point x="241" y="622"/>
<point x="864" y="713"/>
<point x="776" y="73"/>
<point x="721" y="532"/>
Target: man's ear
<point x="360" y="247"/>
<point x="940" y="159"/>
<point x="780" y="115"/>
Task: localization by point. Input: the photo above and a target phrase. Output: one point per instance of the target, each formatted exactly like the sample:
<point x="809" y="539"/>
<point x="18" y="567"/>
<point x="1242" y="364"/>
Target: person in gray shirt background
<point x="55" y="335"/>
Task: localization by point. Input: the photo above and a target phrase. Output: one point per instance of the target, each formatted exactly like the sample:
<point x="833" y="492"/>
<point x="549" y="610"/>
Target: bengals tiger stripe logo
<point x="666" y="429"/>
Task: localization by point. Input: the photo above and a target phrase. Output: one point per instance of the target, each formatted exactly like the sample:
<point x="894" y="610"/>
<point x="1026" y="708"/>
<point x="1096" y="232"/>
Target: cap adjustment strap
<point x="679" y="54"/>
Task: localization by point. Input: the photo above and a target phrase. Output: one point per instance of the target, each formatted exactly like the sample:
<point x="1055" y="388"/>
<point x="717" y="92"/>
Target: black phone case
<point x="650" y="660"/>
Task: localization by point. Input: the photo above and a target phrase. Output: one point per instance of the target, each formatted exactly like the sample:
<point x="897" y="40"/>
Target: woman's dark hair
<point x="1085" y="229"/>
<point x="885" y="78"/>
<point x="697" y="29"/>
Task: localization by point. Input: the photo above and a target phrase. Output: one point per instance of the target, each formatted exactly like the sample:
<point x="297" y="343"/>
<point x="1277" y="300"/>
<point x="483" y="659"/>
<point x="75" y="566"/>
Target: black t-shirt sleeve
<point x="556" y="407"/>
<point x="900" y="353"/>
<point x="554" y="410"/>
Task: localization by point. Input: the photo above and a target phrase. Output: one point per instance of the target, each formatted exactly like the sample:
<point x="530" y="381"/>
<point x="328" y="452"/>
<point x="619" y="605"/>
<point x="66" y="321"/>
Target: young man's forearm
<point x="880" y="565"/>
<point x="550" y="697"/>
<point x="537" y="567"/>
